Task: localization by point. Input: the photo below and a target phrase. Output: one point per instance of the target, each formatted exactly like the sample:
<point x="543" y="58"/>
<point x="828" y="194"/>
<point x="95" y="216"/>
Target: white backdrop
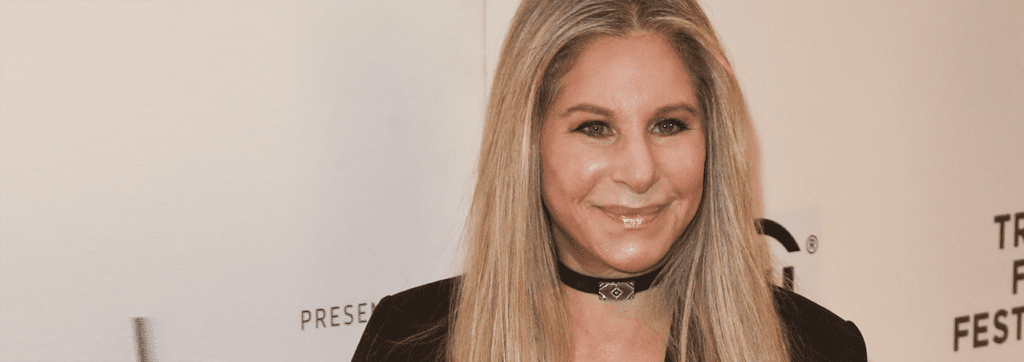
<point x="228" y="168"/>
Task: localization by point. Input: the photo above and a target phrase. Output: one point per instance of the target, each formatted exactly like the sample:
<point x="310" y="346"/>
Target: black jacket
<point x="412" y="325"/>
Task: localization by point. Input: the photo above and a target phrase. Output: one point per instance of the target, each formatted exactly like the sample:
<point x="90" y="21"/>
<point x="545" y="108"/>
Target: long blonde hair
<point x="716" y="277"/>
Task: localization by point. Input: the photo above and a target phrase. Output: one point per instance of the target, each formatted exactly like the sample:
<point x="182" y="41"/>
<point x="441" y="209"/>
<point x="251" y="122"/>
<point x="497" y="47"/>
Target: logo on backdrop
<point x="975" y="327"/>
<point x="797" y="240"/>
<point x="336" y="316"/>
<point x="771" y="228"/>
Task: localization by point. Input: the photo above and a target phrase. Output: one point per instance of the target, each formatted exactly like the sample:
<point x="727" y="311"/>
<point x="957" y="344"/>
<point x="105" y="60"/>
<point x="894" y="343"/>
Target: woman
<point x="613" y="217"/>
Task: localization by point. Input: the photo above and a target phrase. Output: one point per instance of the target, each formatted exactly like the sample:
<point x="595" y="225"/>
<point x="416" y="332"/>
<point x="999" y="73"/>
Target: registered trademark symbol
<point x="812" y="244"/>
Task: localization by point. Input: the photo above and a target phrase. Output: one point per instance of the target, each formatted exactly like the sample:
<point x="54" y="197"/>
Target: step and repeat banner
<point x="244" y="180"/>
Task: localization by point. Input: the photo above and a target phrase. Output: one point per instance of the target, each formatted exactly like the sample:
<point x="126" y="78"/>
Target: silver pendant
<point x="615" y="290"/>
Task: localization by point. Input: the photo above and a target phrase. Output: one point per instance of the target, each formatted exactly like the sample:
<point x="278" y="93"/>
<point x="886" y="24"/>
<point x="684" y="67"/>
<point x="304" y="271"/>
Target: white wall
<point x="222" y="166"/>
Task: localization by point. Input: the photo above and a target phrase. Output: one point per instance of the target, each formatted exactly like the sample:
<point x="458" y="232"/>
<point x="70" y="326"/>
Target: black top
<point x="411" y="326"/>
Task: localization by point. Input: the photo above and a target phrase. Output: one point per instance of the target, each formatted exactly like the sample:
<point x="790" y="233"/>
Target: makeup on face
<point x="622" y="155"/>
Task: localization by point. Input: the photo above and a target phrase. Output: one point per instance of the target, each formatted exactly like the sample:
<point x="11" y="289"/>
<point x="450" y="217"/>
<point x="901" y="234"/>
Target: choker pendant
<point x="607" y="289"/>
<point x="616" y="290"/>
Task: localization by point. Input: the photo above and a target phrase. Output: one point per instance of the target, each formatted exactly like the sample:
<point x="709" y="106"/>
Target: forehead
<point x="627" y="71"/>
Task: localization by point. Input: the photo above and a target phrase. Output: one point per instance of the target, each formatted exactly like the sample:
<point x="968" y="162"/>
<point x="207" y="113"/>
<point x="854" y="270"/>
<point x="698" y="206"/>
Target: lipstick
<point x="633" y="217"/>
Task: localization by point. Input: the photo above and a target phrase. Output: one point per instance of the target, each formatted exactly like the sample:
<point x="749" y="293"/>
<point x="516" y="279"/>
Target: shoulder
<point x="815" y="333"/>
<point x="408" y="326"/>
<point x="422" y="304"/>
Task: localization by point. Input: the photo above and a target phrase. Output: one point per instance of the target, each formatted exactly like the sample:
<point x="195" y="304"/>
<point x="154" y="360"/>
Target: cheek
<point x="569" y="171"/>
<point x="686" y="170"/>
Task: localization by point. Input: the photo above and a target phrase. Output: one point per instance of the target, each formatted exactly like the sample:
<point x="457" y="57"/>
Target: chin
<point x="636" y="259"/>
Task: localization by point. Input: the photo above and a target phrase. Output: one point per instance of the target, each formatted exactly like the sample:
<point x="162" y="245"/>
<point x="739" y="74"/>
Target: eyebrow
<point x="601" y="111"/>
<point x="589" y="108"/>
<point x="687" y="107"/>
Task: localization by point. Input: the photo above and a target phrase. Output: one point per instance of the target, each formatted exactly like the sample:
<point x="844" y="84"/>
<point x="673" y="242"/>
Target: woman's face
<point x="622" y="156"/>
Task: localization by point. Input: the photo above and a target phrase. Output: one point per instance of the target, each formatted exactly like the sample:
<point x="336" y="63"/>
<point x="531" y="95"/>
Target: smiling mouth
<point x="633" y="218"/>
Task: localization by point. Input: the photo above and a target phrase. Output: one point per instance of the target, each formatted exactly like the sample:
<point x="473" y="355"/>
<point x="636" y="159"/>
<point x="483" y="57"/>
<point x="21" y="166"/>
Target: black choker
<point x="607" y="289"/>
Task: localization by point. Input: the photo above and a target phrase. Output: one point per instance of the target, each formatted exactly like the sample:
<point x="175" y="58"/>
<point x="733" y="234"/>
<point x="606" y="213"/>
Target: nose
<point x="635" y="165"/>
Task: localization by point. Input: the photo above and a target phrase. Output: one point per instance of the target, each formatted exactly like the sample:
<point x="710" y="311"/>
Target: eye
<point x="594" y="129"/>
<point x="669" y="127"/>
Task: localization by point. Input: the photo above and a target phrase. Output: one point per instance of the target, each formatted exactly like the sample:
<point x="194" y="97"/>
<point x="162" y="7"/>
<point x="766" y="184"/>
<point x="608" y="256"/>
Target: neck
<point x="589" y="305"/>
<point x="624" y="330"/>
